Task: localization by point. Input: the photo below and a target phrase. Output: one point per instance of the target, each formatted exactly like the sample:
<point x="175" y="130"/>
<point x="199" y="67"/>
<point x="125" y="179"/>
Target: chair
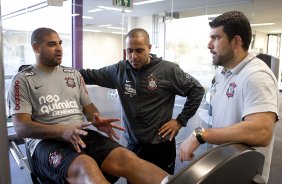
<point x="230" y="163"/>
<point x="22" y="160"/>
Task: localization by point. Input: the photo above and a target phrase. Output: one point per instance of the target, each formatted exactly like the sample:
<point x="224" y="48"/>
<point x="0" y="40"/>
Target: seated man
<point x="47" y="103"/>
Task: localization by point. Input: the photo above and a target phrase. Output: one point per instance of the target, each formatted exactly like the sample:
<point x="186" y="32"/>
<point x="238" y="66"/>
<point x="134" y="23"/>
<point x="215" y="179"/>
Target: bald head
<point x="38" y="35"/>
<point x="138" y="47"/>
<point x="139" y="32"/>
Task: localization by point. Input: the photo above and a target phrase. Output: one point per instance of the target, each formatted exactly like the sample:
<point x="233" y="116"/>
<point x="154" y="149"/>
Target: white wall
<point x="101" y="49"/>
<point x="260" y="43"/>
<point x="146" y="22"/>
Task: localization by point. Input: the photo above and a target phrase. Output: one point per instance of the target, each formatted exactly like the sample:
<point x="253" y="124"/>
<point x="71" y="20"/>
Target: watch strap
<point x="198" y="132"/>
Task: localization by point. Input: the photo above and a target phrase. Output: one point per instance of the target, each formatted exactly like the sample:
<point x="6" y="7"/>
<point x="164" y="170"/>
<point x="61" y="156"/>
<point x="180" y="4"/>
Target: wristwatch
<point x="198" y="133"/>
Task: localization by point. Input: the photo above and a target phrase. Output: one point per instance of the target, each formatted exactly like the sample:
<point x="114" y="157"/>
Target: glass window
<point x="19" y="19"/>
<point x="186" y="45"/>
<point x="103" y="34"/>
<point x="104" y="27"/>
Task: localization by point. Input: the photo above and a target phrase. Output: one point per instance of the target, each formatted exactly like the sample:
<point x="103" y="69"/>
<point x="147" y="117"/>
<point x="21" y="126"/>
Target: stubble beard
<point x="223" y="60"/>
<point x="52" y="63"/>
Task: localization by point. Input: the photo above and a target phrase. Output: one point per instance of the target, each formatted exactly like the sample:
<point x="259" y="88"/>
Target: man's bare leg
<point x="84" y="169"/>
<point x="124" y="163"/>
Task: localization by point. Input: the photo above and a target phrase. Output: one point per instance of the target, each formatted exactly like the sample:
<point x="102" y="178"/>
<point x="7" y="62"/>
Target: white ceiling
<point x="258" y="11"/>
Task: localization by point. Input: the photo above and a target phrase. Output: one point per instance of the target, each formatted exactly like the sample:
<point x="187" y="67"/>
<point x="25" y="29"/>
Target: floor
<point x="109" y="106"/>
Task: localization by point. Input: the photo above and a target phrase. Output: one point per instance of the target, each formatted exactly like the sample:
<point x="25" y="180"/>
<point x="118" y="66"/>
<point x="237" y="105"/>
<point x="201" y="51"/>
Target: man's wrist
<point x="198" y="134"/>
<point x="193" y="136"/>
<point x="181" y="122"/>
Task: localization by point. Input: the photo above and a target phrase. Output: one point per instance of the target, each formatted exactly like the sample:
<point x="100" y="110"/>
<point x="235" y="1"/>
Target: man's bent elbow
<point x="265" y="139"/>
<point x="20" y="130"/>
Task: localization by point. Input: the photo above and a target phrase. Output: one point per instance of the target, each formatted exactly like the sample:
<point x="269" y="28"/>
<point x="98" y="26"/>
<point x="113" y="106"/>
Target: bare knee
<point x="125" y="155"/>
<point x="119" y="161"/>
<point x="84" y="169"/>
<point x="122" y="162"/>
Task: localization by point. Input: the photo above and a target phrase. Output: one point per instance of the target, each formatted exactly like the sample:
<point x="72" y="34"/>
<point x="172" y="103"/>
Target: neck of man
<point x="238" y="58"/>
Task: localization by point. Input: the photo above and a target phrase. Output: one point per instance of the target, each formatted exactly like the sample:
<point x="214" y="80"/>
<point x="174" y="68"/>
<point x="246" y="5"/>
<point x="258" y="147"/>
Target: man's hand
<point x="73" y="132"/>
<point x="105" y="125"/>
<point x="170" y="128"/>
<point x="187" y="148"/>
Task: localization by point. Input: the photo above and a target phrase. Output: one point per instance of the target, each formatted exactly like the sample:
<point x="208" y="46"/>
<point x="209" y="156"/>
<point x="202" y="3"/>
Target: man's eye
<point x="51" y="44"/>
<point x="139" y="50"/>
<point x="129" y="50"/>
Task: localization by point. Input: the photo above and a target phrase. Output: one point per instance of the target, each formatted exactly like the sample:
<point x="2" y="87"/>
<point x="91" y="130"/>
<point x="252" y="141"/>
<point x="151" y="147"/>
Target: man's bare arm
<point x="255" y="130"/>
<point x="103" y="124"/>
<point x="27" y="128"/>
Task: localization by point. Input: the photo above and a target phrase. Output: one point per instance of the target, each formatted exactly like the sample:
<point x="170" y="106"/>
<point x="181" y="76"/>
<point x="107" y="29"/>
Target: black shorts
<point x="52" y="158"/>
<point x="162" y="155"/>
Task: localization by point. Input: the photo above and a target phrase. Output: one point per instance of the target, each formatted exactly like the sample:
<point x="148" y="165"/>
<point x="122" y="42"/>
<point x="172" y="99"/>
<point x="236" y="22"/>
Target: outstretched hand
<point x="73" y="132"/>
<point x="105" y="125"/>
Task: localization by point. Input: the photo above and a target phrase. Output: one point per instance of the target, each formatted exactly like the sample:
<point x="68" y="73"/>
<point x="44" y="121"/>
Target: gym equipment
<point x="231" y="163"/>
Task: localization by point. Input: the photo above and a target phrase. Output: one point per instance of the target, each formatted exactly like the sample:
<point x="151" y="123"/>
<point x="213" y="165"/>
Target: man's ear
<point x="150" y="46"/>
<point x="238" y="41"/>
<point x="35" y="48"/>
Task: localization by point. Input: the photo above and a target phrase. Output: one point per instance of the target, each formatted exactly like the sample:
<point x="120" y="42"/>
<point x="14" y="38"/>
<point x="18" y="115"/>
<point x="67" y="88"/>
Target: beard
<point x="52" y="62"/>
<point x="223" y="60"/>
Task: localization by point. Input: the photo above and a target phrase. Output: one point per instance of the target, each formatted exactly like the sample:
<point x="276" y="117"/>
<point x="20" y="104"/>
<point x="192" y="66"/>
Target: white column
<point x="4" y="155"/>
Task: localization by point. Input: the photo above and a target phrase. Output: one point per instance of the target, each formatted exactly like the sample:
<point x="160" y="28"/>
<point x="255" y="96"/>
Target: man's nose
<point x="210" y="44"/>
<point x="59" y="47"/>
<point x="133" y="54"/>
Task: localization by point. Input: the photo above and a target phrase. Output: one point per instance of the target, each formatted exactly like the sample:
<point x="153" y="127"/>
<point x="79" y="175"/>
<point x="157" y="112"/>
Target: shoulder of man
<point x="26" y="71"/>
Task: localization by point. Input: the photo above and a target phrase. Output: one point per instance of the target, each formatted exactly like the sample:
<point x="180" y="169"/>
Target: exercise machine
<point x="230" y="163"/>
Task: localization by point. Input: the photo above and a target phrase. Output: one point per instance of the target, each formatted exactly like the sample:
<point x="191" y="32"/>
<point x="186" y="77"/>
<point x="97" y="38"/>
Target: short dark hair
<point x="38" y="34"/>
<point x="139" y="32"/>
<point x="234" y="23"/>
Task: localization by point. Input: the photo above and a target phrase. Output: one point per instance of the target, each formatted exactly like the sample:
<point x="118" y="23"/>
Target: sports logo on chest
<point x="70" y="82"/>
<point x="231" y="89"/>
<point x="152" y="82"/>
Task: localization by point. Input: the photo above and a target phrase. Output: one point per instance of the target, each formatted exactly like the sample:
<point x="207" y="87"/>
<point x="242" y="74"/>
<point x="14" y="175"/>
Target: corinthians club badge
<point x="230" y="91"/>
<point x="152" y="82"/>
<point x="70" y="82"/>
